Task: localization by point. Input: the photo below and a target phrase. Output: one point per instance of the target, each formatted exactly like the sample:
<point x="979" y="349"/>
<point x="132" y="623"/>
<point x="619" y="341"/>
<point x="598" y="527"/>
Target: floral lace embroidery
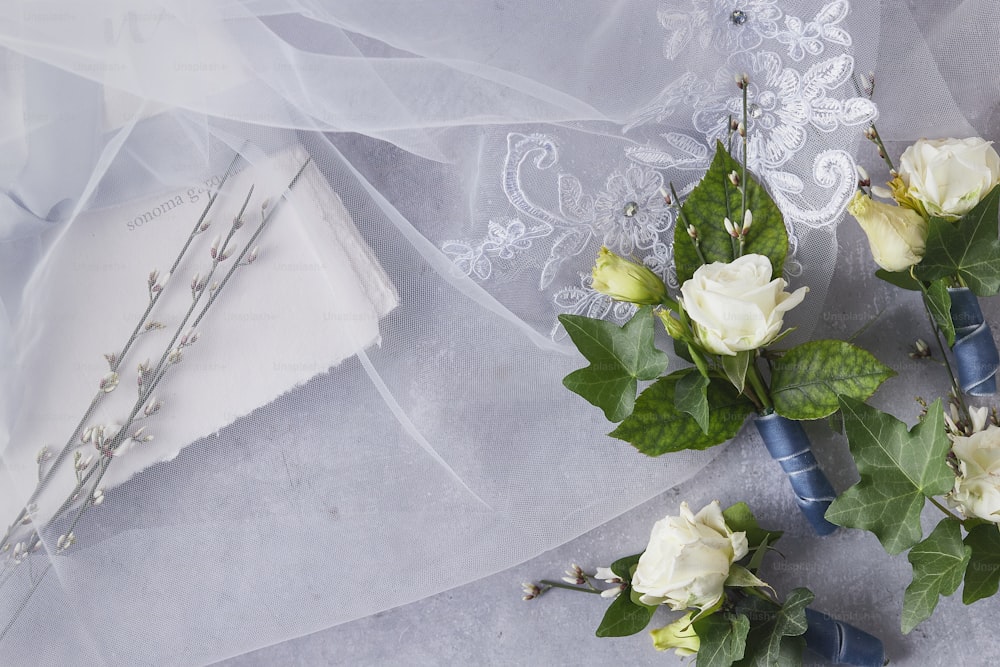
<point x="787" y="103"/>
<point x="783" y="104"/>
<point x="629" y="215"/>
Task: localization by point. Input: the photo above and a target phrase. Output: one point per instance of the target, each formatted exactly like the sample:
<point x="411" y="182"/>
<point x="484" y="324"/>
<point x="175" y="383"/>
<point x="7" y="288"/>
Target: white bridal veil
<point x="374" y="412"/>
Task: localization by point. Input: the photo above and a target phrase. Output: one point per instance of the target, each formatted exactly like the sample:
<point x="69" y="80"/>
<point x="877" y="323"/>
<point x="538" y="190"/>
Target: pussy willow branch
<point x="120" y="357"/>
<point x="164" y="365"/>
<point x="107" y="450"/>
<point x="146" y="393"/>
<point x="101" y="466"/>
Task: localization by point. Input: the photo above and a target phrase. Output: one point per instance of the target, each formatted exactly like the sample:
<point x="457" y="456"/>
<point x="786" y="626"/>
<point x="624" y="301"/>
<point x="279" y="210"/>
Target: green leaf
<point x="624" y="617"/>
<point x="938" y="565"/>
<point x="741" y="577"/>
<point x="899" y="279"/>
<point x="775" y="636"/>
<point x="656" y="426"/>
<point x="618" y="358"/>
<point x="736" y="368"/>
<point x="982" y="576"/>
<point x="715" y="198"/>
<point x="699" y="360"/>
<point x="898" y="468"/>
<point x="967" y="248"/>
<point x="939" y="304"/>
<point x="624" y="567"/>
<point x="691" y="396"/>
<point x="681" y="350"/>
<point x="723" y="639"/>
<point x="740" y="519"/>
<point x="758" y="554"/>
<point x="806" y="380"/>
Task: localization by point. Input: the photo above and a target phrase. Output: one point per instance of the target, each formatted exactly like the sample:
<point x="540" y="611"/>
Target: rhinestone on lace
<point x="738" y="17"/>
<point x="754" y="110"/>
<point x="631" y="208"/>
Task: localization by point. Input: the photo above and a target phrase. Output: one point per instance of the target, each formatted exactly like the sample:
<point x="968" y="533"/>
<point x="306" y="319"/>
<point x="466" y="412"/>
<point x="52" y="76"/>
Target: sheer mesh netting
<point x="372" y="411"/>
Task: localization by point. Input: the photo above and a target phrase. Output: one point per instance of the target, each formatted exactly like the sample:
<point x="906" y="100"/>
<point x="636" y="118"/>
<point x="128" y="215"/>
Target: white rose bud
<point x="688" y="558"/>
<point x="977" y="486"/>
<point x="897" y="235"/>
<point x="736" y="306"/>
<point x="627" y="281"/>
<point x="949" y="176"/>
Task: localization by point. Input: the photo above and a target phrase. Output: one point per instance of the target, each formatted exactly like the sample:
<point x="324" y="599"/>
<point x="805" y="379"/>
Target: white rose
<point x="736" y="306"/>
<point x="688" y="558"/>
<point x="897" y="235"/>
<point x="949" y="176"/>
<point x="977" y="487"/>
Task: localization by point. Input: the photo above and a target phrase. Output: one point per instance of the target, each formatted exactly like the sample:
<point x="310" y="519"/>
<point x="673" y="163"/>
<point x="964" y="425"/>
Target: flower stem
<point x="955" y="389"/>
<point x="876" y="138"/>
<point x="753" y="375"/>
<point x="687" y="225"/>
<point x="559" y="584"/>
<point x="746" y="156"/>
<point x="944" y="509"/>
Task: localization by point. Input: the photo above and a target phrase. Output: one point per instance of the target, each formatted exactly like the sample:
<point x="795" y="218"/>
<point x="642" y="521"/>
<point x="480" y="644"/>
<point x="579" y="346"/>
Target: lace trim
<point x="790" y="101"/>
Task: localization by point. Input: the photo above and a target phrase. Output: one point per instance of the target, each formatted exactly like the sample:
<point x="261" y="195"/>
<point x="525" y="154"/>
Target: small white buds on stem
<point x="152" y="407"/>
<point x="190" y="338"/>
<point x="109" y="382"/>
<point x="666" y="196"/>
<point x="65" y="541"/>
<point x="530" y="590"/>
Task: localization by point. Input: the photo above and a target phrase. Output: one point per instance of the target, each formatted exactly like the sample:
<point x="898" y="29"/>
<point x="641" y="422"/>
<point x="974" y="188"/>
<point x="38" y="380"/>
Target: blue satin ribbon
<point x="976" y="358"/>
<point x="842" y="643"/>
<point x="788" y="444"/>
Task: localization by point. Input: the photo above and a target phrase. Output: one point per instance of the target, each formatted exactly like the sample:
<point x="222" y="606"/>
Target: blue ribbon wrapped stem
<point x="788" y="444"/>
<point x="975" y="352"/>
<point x="842" y="643"/>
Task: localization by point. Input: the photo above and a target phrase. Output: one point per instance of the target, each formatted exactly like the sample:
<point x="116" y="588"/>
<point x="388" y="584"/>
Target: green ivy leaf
<point x="898" y="469"/>
<point x="618" y="358"/>
<point x="938" y="565"/>
<point x="982" y="576"/>
<point x="740" y="519"/>
<point x="723" y="639"/>
<point x="715" y="198"/>
<point x="656" y="426"/>
<point x="624" y="617"/>
<point x="691" y="397"/>
<point x="901" y="279"/>
<point x="967" y="248"/>
<point x="939" y="304"/>
<point x="775" y="640"/>
<point x="806" y="380"/>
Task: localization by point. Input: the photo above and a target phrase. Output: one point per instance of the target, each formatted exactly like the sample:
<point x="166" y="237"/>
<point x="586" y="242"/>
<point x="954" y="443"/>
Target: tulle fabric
<point x="484" y="151"/>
